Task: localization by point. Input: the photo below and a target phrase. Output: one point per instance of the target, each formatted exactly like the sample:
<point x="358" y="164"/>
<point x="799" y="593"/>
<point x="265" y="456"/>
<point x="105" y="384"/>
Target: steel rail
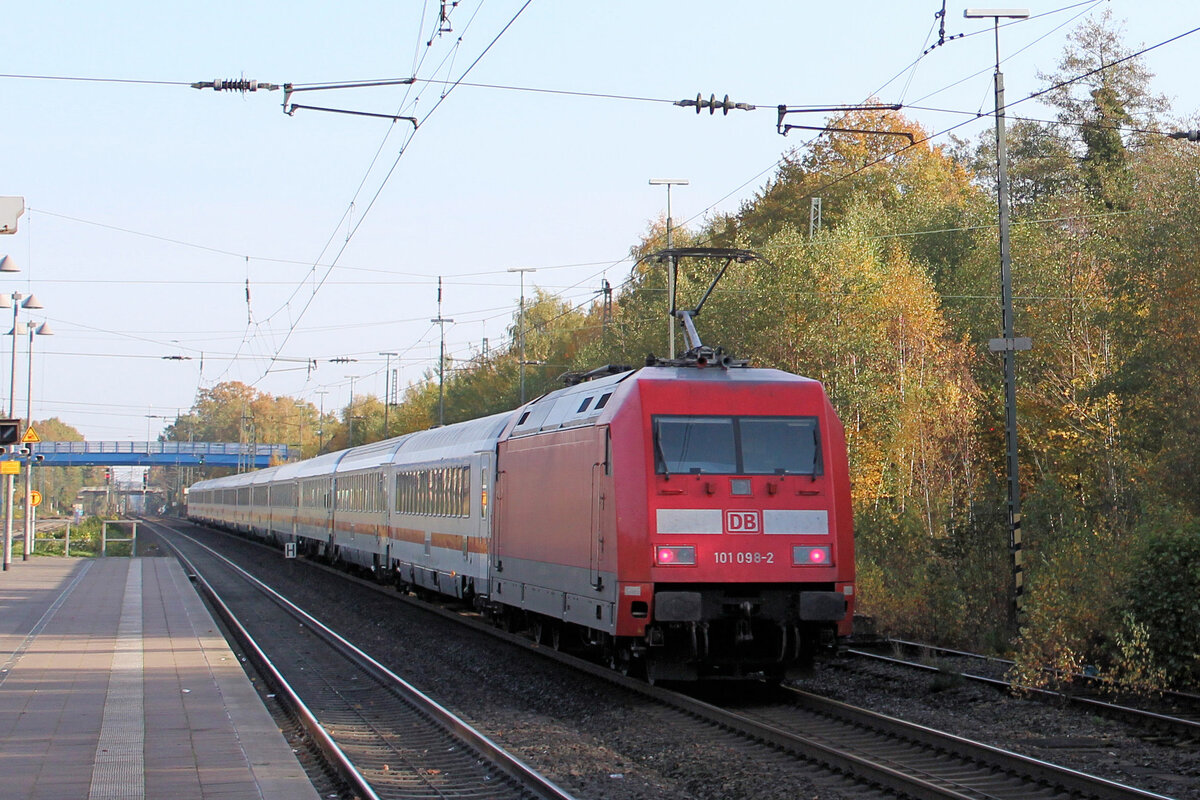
<point x="290" y="699"/>
<point x="1179" y="725"/>
<point x="1041" y="771"/>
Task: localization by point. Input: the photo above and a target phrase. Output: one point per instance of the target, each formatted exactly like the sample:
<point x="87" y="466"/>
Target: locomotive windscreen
<point x="737" y="445"/>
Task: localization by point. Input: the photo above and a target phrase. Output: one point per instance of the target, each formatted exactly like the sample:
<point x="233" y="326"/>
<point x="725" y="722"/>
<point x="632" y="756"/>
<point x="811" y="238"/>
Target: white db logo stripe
<point x="796" y="522"/>
<point x="688" y="520"/>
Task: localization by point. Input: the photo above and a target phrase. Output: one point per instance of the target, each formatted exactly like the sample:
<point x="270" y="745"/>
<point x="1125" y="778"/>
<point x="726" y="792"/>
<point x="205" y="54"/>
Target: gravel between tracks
<point x="1061" y="735"/>
<point x="569" y="727"/>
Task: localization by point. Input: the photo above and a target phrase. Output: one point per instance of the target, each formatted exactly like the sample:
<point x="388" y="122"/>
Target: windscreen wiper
<point x="660" y="456"/>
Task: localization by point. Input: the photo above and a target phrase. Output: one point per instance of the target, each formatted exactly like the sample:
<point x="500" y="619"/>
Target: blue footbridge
<point x="158" y="454"/>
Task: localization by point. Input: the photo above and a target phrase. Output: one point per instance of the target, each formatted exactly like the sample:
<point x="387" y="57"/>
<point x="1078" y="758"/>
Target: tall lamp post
<point x="521" y="323"/>
<point x="672" y="267"/>
<point x="16" y="301"/>
<point x="33" y="330"/>
<point x="387" y="385"/>
<point x="1009" y="344"/>
<point x="8" y="265"/>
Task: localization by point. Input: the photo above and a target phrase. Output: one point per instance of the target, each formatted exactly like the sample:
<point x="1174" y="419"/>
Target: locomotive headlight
<point x="675" y="555"/>
<point x="806" y="556"/>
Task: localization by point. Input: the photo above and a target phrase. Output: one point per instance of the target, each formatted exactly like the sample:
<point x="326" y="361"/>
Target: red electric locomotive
<point x="699" y="525"/>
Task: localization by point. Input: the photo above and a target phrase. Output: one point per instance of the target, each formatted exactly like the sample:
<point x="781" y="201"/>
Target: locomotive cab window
<point x="699" y="445"/>
<point x="737" y="446"/>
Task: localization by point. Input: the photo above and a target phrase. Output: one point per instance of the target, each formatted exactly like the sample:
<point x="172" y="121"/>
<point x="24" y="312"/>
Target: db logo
<point x="743" y="521"/>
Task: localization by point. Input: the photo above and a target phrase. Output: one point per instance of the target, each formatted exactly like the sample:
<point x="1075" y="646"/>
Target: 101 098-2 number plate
<point x="743" y="557"/>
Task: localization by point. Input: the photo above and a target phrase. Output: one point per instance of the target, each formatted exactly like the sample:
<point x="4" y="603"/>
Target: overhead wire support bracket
<point x="784" y="110"/>
<point x="290" y="108"/>
<point x="828" y="129"/>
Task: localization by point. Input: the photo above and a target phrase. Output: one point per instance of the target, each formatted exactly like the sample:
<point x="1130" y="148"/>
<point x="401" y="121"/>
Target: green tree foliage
<point x="1105" y="285"/>
<point x="1160" y="603"/>
<point x="360" y="423"/>
<point x="1099" y="95"/>
<point x="919" y="185"/>
<point x="1156" y="320"/>
<point x="857" y="312"/>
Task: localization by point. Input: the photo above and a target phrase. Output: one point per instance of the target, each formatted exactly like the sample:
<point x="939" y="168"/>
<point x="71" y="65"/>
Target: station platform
<point x="115" y="683"/>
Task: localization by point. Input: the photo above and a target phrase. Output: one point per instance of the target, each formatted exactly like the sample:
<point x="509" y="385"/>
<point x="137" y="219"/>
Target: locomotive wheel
<point x="511" y="621"/>
<point x="538" y="629"/>
<point x="622" y="660"/>
<point x="556" y="636"/>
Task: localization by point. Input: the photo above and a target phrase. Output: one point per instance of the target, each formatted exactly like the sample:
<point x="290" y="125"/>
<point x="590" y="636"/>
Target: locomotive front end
<point x="748" y="521"/>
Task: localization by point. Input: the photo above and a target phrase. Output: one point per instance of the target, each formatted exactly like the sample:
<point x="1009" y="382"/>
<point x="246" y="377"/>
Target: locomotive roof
<point x="718" y="375"/>
<point x="571" y="407"/>
<point x="586" y="403"/>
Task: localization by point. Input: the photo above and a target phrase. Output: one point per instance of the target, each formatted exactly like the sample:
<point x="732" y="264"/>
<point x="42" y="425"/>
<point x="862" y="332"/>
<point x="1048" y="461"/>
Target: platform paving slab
<point x="115" y="682"/>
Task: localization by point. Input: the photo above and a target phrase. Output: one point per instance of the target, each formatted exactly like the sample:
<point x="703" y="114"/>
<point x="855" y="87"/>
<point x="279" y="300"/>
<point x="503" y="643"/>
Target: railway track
<point x="929" y="763"/>
<point x="384" y="737"/>
<point x="1171" y="717"/>
<point x="794" y="732"/>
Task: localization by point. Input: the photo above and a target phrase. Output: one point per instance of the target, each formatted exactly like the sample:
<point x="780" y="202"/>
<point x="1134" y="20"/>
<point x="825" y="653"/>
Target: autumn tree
<point x="1103" y="100"/>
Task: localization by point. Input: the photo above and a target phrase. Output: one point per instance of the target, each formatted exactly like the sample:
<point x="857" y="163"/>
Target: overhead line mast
<point x="440" y="321"/>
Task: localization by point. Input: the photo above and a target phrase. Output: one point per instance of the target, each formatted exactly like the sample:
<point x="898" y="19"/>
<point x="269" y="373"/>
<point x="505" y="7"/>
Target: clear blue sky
<point x="151" y="205"/>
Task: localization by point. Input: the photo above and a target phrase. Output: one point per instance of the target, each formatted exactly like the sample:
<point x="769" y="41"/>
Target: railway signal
<point x="10" y="432"/>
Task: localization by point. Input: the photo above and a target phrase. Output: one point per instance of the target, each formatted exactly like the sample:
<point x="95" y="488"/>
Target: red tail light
<point x="675" y="555"/>
<point x="805" y="556"/>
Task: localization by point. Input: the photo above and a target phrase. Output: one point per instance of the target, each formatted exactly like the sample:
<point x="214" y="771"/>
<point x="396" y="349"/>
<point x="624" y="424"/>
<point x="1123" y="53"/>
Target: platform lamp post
<point x="9" y="301"/>
<point x="16" y="301"/>
<point x="671" y="267"/>
<point x="387" y="384"/>
<point x="30" y="514"/>
<point x="521" y="323"/>
<point x="1009" y="344"/>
